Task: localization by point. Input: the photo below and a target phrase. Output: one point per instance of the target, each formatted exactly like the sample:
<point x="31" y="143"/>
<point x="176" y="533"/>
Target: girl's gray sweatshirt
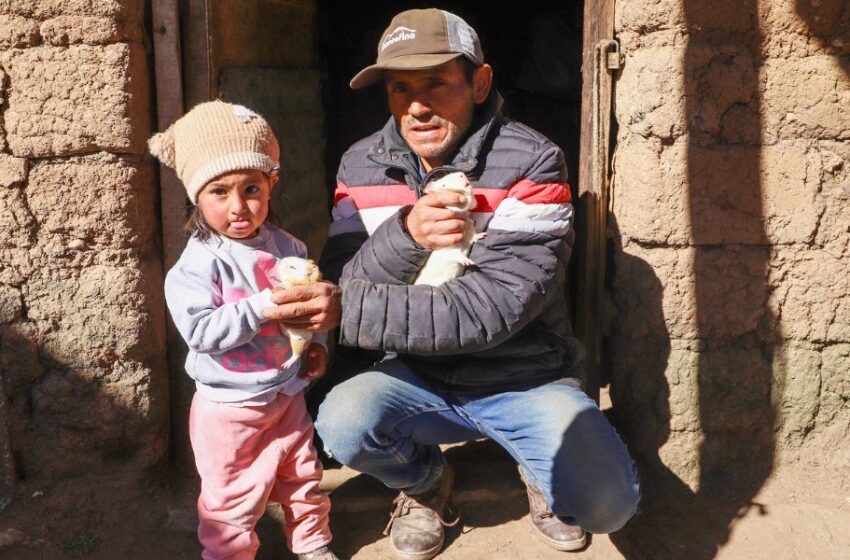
<point x="216" y="294"/>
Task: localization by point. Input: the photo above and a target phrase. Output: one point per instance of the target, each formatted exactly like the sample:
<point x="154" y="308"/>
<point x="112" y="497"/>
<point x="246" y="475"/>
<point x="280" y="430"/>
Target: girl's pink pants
<point x="246" y="456"/>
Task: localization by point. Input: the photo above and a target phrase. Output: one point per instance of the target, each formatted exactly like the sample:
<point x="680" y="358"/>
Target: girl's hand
<point x="315" y="308"/>
<point x="316" y="362"/>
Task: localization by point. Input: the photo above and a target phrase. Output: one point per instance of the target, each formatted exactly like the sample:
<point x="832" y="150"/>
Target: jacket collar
<point x="391" y="150"/>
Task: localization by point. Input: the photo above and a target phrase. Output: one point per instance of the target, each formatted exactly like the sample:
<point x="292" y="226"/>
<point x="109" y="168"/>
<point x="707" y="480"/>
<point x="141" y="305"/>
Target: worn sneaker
<point x="323" y="553"/>
<point x="548" y="526"/>
<point x="416" y="526"/>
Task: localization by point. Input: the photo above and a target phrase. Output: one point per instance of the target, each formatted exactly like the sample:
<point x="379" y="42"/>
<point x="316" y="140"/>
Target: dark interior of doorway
<point x="534" y="47"/>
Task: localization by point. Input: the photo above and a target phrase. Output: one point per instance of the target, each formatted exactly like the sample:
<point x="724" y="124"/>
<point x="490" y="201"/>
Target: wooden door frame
<point x="183" y="77"/>
<point x="594" y="179"/>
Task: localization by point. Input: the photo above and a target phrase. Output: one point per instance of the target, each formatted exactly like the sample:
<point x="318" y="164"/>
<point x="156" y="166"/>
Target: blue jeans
<point x="388" y="422"/>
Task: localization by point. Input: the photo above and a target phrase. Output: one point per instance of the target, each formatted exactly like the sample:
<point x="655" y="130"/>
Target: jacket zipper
<point x="414" y="173"/>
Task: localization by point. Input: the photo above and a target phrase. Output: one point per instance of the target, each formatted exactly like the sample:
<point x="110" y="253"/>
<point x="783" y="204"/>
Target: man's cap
<point x="420" y="39"/>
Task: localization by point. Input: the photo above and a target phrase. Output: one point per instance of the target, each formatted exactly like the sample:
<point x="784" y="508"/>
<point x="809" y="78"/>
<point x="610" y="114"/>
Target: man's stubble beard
<point x="436" y="151"/>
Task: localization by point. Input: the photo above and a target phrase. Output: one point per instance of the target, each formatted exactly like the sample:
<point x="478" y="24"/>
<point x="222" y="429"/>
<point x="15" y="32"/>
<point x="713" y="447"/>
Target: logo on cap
<point x="400" y="33"/>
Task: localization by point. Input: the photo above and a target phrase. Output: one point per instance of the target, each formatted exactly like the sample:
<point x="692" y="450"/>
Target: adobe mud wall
<point x="730" y="304"/>
<point x="83" y="381"/>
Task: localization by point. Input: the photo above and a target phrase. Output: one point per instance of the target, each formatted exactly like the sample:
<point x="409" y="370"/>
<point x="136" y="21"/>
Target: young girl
<point x="248" y="424"/>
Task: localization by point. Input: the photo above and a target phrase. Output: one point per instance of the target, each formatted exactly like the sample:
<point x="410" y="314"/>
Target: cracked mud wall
<point x="729" y="315"/>
<point x="83" y="379"/>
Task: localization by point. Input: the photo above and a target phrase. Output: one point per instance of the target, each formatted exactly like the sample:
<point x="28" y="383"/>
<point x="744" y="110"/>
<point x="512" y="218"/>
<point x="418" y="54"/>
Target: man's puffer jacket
<point x="504" y="324"/>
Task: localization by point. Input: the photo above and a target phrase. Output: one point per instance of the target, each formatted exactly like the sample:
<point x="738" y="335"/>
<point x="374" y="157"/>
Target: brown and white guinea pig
<point x="289" y="272"/>
<point x="449" y="262"/>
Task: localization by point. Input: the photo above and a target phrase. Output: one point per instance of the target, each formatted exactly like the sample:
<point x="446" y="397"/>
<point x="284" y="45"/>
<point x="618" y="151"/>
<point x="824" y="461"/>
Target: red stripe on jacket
<point x="487" y="200"/>
<point x="340" y="192"/>
<point x="543" y="193"/>
<point x="526" y="191"/>
<point x="376" y="196"/>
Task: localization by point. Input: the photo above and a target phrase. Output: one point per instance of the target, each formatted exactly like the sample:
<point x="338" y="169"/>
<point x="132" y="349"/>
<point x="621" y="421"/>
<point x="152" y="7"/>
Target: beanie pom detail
<point x="162" y="146"/>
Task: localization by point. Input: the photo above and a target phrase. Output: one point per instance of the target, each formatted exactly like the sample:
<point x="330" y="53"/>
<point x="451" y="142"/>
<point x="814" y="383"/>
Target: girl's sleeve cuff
<point x="260" y="302"/>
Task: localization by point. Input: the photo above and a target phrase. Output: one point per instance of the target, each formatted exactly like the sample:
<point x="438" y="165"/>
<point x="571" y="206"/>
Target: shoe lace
<point x="546" y="514"/>
<point x="404" y="503"/>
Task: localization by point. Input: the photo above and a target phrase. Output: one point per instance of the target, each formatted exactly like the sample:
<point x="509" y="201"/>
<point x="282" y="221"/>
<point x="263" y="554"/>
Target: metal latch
<point x="613" y="58"/>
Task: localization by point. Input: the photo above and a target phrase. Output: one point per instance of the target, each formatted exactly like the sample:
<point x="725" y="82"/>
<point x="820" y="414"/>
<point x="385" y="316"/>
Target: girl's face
<point x="237" y="203"/>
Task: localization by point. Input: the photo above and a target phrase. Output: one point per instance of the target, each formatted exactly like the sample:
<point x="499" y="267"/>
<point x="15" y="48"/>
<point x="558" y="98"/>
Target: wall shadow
<point x="737" y="335"/>
<point x="829" y="22"/>
<point x="639" y="366"/>
<point x="736" y="358"/>
<point x="88" y="437"/>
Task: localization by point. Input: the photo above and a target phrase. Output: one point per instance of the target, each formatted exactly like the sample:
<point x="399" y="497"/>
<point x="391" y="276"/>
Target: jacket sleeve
<point x="517" y="265"/>
<point x="389" y="256"/>
<point x="337" y="252"/>
<point x="345" y="235"/>
<point x="389" y="261"/>
<point x="505" y="290"/>
<point x="206" y="324"/>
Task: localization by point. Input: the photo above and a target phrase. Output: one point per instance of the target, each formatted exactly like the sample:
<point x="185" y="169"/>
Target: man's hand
<point x="433" y="226"/>
<point x="316" y="362"/>
<point x="316" y="308"/>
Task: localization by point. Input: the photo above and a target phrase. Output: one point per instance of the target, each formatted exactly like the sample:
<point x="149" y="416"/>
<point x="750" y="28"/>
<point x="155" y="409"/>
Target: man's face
<point x="433" y="108"/>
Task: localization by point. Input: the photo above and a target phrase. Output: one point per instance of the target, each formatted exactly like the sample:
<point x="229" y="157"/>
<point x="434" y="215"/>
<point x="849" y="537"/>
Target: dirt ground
<point x="105" y="519"/>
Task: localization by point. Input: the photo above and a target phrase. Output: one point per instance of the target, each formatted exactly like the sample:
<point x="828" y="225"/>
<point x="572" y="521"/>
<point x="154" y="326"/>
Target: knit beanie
<point x="215" y="138"/>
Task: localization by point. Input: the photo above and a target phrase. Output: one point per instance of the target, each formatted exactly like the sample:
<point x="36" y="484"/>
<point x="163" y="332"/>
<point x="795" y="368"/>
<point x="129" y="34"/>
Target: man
<point x="488" y="354"/>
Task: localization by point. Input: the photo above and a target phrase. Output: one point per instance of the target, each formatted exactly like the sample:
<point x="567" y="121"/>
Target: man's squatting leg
<point x="388" y="423"/>
<point x="567" y="449"/>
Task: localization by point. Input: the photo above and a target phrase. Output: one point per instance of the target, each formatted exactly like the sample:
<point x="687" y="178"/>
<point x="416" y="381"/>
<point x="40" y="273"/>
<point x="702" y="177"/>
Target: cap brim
<point x="374" y="73"/>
